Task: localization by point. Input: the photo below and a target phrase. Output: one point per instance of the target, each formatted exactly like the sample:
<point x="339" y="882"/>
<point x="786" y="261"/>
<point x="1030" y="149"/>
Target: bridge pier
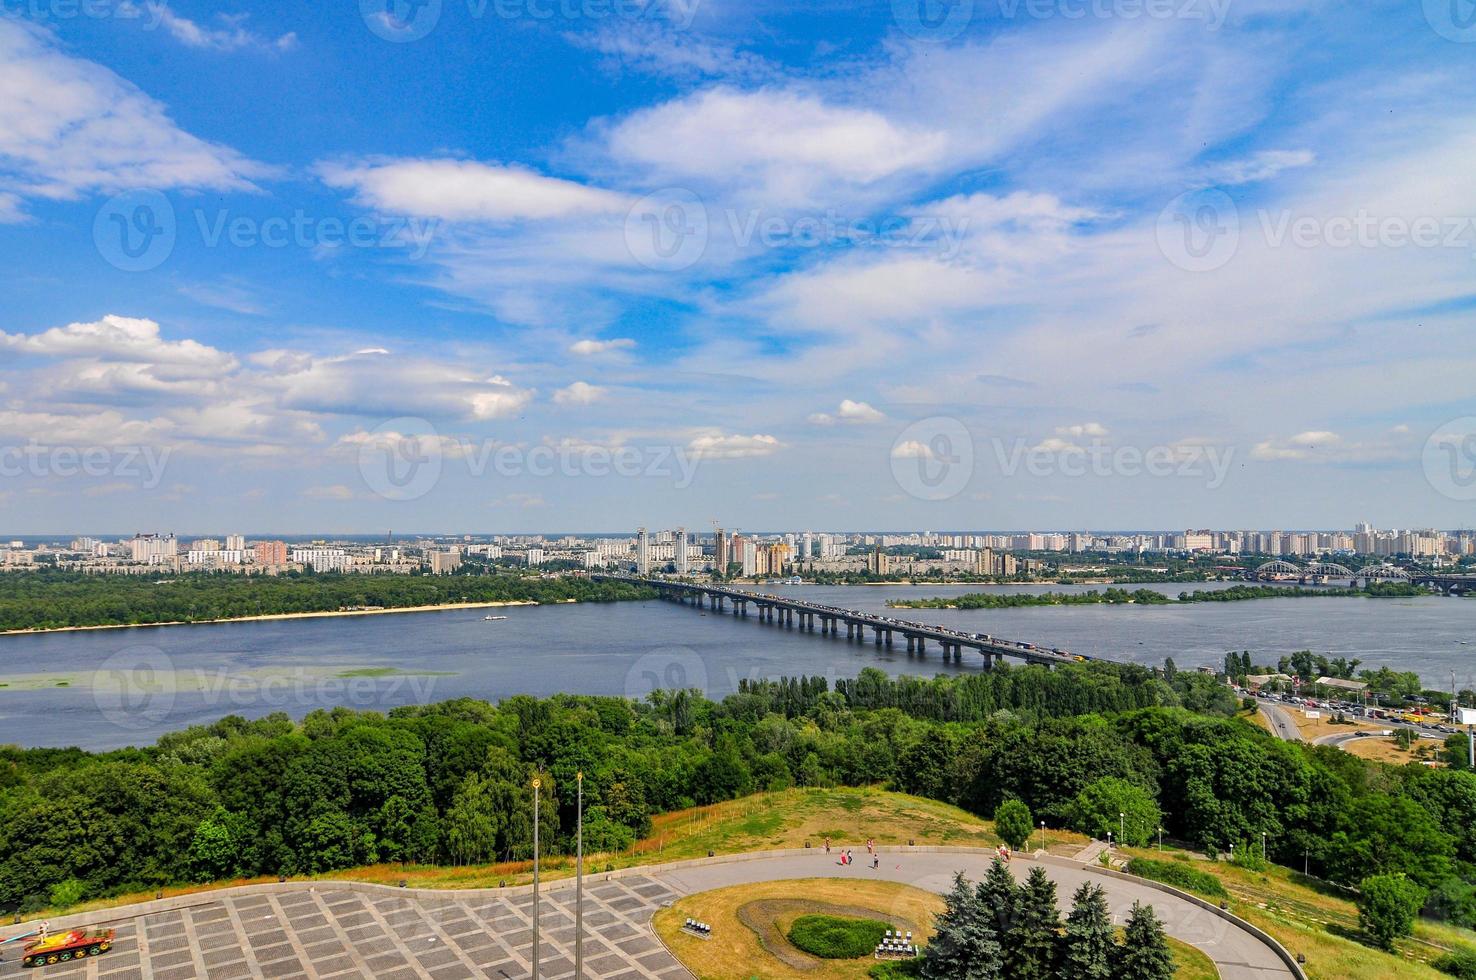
<point x="889" y="639"/>
<point x="878" y="637"/>
<point x="850" y="631"/>
<point x="922" y="646"/>
<point x="911" y="644"/>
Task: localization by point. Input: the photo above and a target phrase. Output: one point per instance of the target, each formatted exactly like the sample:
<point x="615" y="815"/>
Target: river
<point x="108" y="688"/>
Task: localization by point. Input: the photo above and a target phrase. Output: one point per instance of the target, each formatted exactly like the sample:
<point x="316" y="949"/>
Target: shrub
<point x="897" y="969"/>
<point x="1459" y="962"/>
<point x="834" y="938"/>
<point x="1012" y="823"/>
<point x="1387" y="906"/>
<point x="1178" y="875"/>
<point x="67" y="893"/>
<point x="1116" y="806"/>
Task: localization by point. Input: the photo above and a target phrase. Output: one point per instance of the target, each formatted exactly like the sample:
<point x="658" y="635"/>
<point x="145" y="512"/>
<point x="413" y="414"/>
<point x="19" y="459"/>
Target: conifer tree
<point x="1031" y="947"/>
<point x="1144" y="953"/>
<point x="1089" y="943"/>
<point x="965" y="946"/>
<point x="998" y="896"/>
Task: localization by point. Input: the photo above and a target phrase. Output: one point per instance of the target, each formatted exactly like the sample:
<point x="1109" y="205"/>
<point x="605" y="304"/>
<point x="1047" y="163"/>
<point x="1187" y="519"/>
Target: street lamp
<point x="579" y="882"/>
<point x="1263" y="845"/>
<point x="1160" y="840"/>
<point x="1042" y="836"/>
<point x="1121" y="825"/>
<point x="1109" y="840"/>
<point x="537" y="784"/>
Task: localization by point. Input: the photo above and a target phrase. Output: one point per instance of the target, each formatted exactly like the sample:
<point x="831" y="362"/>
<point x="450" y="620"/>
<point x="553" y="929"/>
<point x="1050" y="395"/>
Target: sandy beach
<point x="302" y="615"/>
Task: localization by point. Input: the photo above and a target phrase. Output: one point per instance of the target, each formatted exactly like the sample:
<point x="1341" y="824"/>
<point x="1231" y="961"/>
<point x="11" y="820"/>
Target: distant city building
<point x="271" y="553"/>
<point x="446" y="562"/>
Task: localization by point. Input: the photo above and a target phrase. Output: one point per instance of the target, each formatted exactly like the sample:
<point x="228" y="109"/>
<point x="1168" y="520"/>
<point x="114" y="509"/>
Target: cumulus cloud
<point x="578" y="393"/>
<point x="859" y="413"/>
<point x="467" y="190"/>
<point x="585" y="348"/>
<point x="69" y="126"/>
<point x="717" y="445"/>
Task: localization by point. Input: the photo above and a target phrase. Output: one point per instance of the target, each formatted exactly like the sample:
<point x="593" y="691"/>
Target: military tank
<point x="63" y="947"/>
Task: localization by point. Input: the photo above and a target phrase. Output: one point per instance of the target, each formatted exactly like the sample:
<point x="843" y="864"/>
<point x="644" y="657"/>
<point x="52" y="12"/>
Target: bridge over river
<point x="799" y="614"/>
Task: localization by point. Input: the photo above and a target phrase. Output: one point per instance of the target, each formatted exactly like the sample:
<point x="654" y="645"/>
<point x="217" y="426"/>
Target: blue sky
<point x="598" y="263"/>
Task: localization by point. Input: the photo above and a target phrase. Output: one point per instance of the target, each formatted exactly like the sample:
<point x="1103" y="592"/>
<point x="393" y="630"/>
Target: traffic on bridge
<point x="792" y="612"/>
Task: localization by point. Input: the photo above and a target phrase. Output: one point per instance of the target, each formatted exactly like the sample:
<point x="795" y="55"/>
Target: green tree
<point x="1088" y="946"/>
<point x="1031" y="947"/>
<point x="1144" y="953"/>
<point x="965" y="946"/>
<point x="1012" y="823"/>
<point x="998" y="896"/>
<point x="1387" y="906"/>
<point x="1116" y="806"/>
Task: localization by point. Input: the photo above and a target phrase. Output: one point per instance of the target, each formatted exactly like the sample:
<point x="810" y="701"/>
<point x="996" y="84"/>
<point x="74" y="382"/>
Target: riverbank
<point x="1121" y="597"/>
<point x="328" y="614"/>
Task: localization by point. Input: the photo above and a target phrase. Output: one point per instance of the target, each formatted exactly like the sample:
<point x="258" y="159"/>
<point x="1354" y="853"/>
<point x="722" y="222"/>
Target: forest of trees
<point x="50" y="599"/>
<point x="449" y="783"/>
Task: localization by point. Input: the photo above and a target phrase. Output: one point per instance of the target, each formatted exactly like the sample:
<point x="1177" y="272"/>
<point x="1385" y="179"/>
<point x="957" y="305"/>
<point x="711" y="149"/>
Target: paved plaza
<point x="337" y="933"/>
<point x="296" y="930"/>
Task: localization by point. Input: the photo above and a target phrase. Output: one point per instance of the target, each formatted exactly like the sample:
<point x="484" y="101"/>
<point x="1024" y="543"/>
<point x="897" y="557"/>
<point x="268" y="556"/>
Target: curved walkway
<point x="351" y="929"/>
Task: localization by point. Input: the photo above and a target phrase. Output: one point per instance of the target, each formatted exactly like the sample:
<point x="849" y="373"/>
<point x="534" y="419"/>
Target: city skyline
<point x="777" y="257"/>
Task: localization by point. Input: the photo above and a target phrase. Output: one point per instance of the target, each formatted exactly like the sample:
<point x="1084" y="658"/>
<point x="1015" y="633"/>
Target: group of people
<point x="847" y="858"/>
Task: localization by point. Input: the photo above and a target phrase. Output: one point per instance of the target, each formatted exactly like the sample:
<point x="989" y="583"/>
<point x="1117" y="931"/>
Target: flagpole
<point x="536" y="784"/>
<point x="579" y="883"/>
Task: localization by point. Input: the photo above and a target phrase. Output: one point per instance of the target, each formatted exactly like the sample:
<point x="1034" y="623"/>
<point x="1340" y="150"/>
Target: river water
<point x="108" y="688"/>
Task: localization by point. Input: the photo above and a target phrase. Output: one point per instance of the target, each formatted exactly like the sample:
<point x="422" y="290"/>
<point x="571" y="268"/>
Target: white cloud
<point x="585" y="348"/>
<point x="232" y="35"/>
<point x="336" y="491"/>
<point x="467" y="190"/>
<point x="912" y="449"/>
<point x="69" y="127"/>
<point x="1264" y="165"/>
<point x="786" y="143"/>
<point x="522" y="501"/>
<point x="849" y="411"/>
<point x="1095" y="430"/>
<point x="716" y="445"/>
<point x="126" y="339"/>
<point x="578" y="393"/>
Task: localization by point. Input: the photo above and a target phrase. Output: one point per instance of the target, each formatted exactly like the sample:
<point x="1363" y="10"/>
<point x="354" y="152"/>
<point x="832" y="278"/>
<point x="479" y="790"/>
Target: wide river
<point x="108" y="688"/>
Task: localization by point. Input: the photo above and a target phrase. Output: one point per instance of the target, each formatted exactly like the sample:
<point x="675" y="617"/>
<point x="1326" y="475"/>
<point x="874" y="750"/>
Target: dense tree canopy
<point x="451" y="783"/>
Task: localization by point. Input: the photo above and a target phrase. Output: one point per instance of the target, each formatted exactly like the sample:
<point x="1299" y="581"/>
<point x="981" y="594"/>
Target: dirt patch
<point x="770" y="918"/>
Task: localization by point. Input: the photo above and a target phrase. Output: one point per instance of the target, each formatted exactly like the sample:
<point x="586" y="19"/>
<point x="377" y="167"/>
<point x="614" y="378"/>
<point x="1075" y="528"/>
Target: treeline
<point x="1012" y="600"/>
<point x="52" y="600"/>
<point x="1149" y="597"/>
<point x="1092" y="747"/>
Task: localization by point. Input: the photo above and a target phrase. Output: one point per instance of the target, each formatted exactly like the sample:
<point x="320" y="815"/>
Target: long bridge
<point x="1322" y="571"/>
<point x="799" y="614"/>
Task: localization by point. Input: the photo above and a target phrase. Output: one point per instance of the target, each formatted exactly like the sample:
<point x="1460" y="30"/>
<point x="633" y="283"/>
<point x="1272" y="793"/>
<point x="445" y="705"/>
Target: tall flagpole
<point x="536" y="784"/>
<point x="579" y="884"/>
